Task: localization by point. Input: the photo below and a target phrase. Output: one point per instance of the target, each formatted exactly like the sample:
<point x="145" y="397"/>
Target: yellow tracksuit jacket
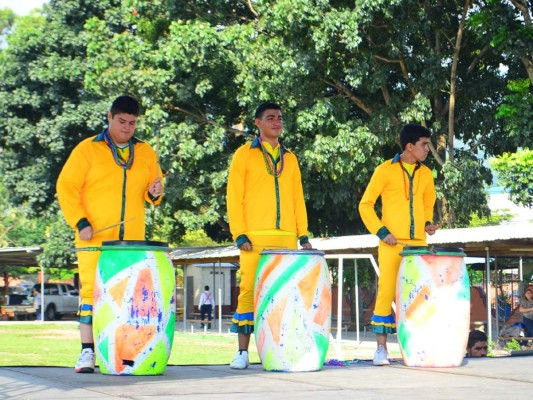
<point x="256" y="201"/>
<point x="93" y="189"/>
<point x="92" y="186"/>
<point x="403" y="216"/>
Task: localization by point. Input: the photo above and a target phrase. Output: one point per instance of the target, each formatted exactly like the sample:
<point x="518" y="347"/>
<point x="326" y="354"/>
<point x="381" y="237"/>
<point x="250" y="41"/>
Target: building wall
<point x="216" y="278"/>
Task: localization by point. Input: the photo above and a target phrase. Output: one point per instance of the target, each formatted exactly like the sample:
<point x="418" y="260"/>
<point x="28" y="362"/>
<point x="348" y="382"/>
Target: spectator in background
<point x="526" y="308"/>
<point x="37" y="302"/>
<point x="477" y="344"/>
<point x="207" y="303"/>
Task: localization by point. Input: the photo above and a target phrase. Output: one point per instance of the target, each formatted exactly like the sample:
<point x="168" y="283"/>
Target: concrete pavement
<point x="479" y="378"/>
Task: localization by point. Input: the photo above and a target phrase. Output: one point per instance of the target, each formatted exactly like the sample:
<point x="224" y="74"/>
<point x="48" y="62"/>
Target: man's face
<point x="420" y="149"/>
<point x="121" y="127"/>
<point x="270" y="125"/>
<point x="479" y="349"/>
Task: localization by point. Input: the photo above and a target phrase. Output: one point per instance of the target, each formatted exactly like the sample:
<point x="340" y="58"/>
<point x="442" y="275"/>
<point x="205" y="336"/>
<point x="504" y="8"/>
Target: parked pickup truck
<point x="59" y="299"/>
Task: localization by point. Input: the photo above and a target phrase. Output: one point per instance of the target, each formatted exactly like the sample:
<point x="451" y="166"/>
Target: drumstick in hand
<point x="112" y="226"/>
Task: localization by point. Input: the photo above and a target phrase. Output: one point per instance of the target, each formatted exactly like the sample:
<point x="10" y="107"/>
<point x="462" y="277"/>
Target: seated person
<point x="477" y="344"/>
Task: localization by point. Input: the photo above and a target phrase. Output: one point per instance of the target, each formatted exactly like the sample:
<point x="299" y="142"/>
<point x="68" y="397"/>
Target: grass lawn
<point x="58" y="345"/>
<point x="52" y="344"/>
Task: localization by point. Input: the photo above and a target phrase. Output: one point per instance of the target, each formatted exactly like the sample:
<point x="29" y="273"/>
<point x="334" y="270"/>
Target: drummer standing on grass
<point x="266" y="208"/>
<point x="408" y="196"/>
<point x="107" y="180"/>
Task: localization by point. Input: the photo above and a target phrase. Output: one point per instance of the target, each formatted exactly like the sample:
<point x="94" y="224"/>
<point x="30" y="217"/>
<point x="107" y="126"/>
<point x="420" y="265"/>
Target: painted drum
<point x="134" y="308"/>
<point x="292" y="310"/>
<point x="432" y="306"/>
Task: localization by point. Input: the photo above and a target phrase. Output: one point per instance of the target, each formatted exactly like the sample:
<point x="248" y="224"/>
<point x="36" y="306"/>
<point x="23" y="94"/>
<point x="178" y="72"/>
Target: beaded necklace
<point x="272" y="168"/>
<point x="405" y="188"/>
<point x="121" y="162"/>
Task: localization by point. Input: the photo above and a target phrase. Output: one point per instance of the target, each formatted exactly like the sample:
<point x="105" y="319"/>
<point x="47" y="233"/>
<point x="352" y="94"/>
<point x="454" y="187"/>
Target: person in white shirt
<point x="207" y="303"/>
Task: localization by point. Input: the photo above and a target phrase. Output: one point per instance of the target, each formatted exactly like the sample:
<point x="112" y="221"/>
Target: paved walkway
<point x="488" y="378"/>
<point x="353" y="378"/>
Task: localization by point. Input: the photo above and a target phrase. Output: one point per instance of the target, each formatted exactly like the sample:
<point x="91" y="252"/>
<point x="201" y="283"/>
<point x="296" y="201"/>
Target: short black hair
<point x="206" y="287"/>
<point x="476" y="336"/>
<point x="125" y="105"/>
<point x="266" y="106"/>
<point x="411" y="133"/>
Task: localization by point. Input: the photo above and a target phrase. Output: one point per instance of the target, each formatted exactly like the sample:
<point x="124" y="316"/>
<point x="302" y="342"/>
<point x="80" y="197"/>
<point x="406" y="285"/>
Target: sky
<point x="22" y="7"/>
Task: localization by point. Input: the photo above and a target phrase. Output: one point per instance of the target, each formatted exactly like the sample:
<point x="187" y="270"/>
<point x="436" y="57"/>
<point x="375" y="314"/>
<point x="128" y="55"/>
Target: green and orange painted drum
<point x="134" y="308"/>
<point x="292" y="310"/>
<point x="432" y="306"/>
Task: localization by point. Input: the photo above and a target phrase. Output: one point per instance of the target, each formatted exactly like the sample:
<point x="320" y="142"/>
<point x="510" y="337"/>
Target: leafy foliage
<point x="348" y="75"/>
<point x="515" y="173"/>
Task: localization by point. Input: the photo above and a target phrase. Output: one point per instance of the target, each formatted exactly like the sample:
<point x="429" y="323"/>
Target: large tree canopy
<point x="348" y="75"/>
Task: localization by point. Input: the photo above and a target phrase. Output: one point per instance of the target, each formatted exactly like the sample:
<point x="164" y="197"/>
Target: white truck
<point x="58" y="299"/>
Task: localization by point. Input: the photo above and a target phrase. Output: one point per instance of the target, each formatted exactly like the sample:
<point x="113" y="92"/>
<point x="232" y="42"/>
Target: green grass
<point x="50" y="344"/>
<point x="58" y="345"/>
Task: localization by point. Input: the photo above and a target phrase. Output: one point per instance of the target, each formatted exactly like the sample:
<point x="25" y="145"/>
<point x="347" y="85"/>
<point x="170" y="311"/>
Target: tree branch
<point x="478" y="58"/>
<point x="348" y="93"/>
<point x="202" y="119"/>
<point x="453" y="81"/>
<point x="251" y="8"/>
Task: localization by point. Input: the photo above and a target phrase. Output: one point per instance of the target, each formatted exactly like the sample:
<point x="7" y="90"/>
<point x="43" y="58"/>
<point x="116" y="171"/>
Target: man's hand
<point x="86" y="233"/>
<point x="431" y="229"/>
<point x="246" y="246"/>
<point x="156" y="188"/>
<point x="307" y="246"/>
<point x="390" y="239"/>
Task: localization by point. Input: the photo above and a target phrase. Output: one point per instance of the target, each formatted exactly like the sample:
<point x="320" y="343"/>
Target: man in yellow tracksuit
<point x="107" y="179"/>
<point x="266" y="208"/>
<point x="408" y="196"/>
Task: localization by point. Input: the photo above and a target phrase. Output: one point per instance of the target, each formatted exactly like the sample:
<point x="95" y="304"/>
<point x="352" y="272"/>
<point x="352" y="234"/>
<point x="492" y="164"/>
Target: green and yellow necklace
<point x="121" y="162"/>
<point x="274" y="168"/>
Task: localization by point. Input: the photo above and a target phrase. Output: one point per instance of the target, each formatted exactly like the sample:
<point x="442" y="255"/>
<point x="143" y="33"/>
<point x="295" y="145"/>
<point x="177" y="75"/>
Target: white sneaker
<point x="85" y="362"/>
<point x="380" y="357"/>
<point x="240" y="361"/>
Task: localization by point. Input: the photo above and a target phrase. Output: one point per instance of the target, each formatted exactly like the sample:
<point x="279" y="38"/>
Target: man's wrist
<point x="242" y="239"/>
<point x="82" y="224"/>
<point x="382" y="233"/>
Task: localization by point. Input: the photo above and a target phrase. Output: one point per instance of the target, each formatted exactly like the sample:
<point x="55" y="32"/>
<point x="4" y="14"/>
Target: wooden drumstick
<point x="113" y="225"/>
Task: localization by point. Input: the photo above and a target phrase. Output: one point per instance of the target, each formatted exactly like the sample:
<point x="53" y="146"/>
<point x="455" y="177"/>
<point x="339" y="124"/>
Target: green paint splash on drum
<point x="262" y="261"/>
<point x="155" y="363"/>
<point x="464" y="293"/>
<point x="404" y="337"/>
<point x="105" y="318"/>
<point x="103" y="346"/>
<point x="271" y="362"/>
<point x="113" y="262"/>
<point x="322" y="343"/>
<point x="169" y="330"/>
<point x="281" y="281"/>
<point x="166" y="277"/>
<point x="413" y="274"/>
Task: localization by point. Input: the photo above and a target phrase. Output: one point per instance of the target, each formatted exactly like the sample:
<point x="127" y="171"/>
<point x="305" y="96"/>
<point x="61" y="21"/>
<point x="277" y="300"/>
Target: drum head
<point x="134" y="243"/>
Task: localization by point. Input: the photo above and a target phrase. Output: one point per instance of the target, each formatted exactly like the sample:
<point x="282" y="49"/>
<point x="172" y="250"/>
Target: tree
<point x="44" y="109"/>
<point x="515" y="173"/>
<point x="348" y="76"/>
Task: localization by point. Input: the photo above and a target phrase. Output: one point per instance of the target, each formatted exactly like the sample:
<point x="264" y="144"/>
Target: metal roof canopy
<point x="20" y="256"/>
<point x="509" y="240"/>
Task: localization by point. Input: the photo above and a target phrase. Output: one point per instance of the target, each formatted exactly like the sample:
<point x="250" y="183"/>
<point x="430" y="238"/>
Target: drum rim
<point x="413" y="250"/>
<point x="128" y="243"/>
<point x="295" y="251"/>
